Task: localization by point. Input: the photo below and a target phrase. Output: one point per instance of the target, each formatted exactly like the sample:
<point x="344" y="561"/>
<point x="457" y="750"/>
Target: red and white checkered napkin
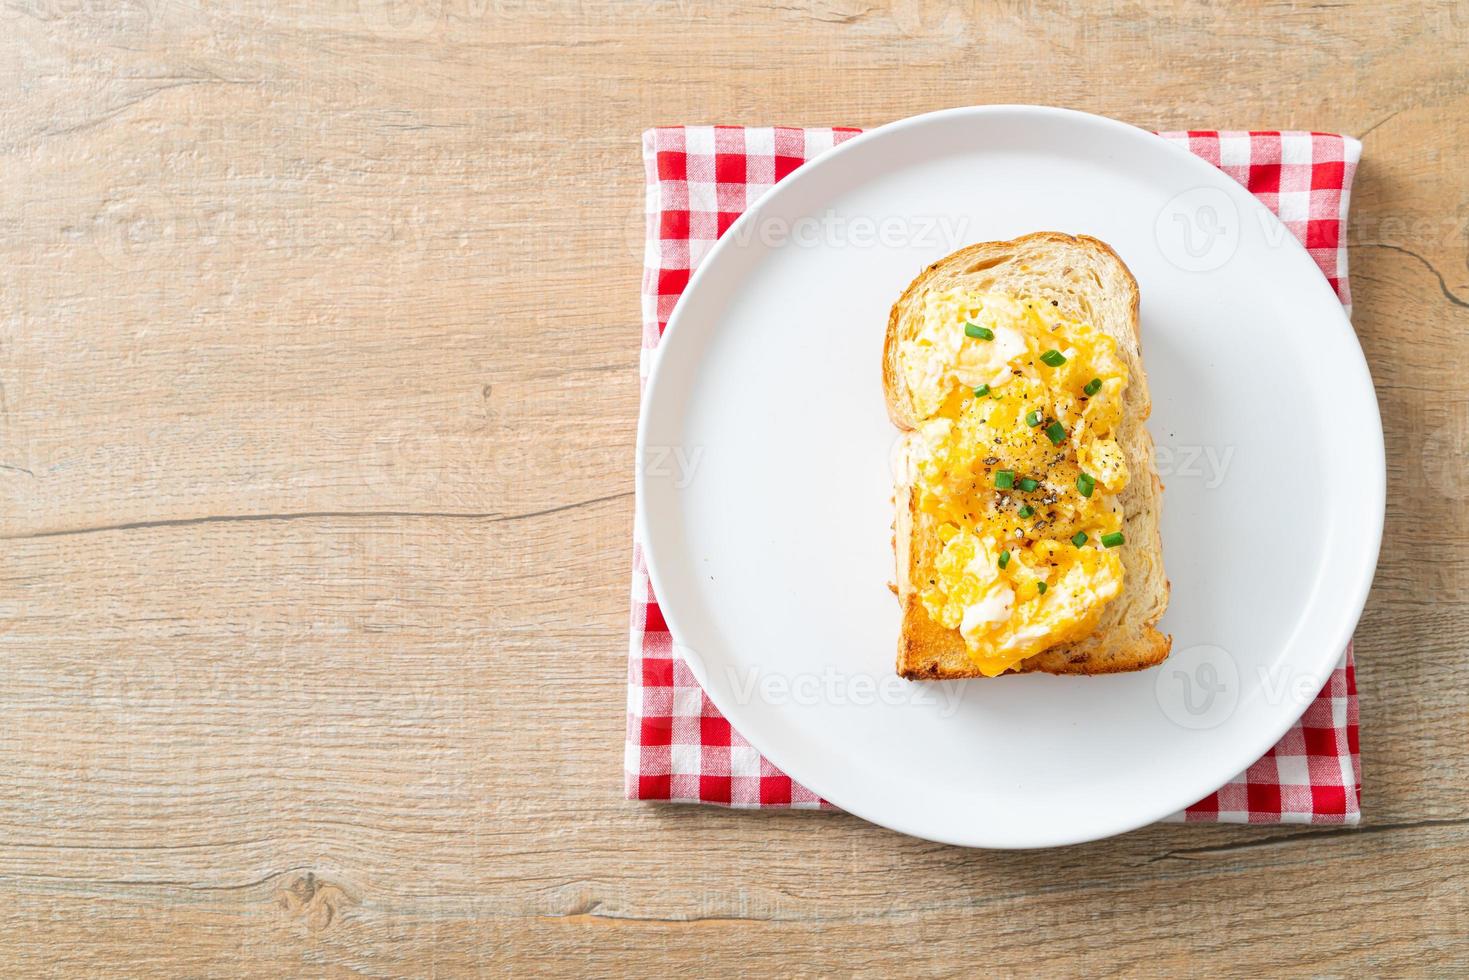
<point x="679" y="747"/>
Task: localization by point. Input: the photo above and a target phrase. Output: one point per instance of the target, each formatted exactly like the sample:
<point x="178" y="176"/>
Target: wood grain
<point x="318" y="358"/>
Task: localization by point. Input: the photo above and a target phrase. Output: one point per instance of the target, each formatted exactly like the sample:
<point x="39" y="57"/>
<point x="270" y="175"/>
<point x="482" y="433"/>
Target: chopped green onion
<point x="979" y="333"/>
<point x="1093" y="386"/>
<point x="1079" y="538"/>
<point x="1040" y="587"/>
<point x="1056" y="433"/>
<point x="1004" y="558"/>
<point x="981" y="391"/>
<point x="1112" y="540"/>
<point x="1086" y="483"/>
<point x="1027" y="510"/>
<point x="1026" y="484"/>
<point x="1032" y="418"/>
<point x="1053" y="357"/>
<point x="1004" y="479"/>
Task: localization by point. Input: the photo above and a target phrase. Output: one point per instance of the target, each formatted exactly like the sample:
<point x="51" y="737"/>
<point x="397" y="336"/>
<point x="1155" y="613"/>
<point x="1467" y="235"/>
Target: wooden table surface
<point x="318" y="380"/>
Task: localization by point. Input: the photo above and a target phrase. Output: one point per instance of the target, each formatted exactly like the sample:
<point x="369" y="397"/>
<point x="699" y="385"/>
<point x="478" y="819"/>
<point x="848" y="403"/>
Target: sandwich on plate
<point x="1027" y="498"/>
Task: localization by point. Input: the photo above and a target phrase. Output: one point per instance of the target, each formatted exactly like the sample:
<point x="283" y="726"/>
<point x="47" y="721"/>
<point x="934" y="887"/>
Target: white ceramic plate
<point x="764" y="485"/>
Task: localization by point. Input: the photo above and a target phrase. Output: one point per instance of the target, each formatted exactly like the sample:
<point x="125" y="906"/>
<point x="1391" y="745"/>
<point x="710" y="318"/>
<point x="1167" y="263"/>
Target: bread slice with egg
<point x="1082" y="279"/>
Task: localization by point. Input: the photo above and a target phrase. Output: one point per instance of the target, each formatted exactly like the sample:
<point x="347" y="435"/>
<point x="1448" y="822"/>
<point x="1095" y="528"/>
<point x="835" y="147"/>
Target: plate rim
<point x="1209" y="175"/>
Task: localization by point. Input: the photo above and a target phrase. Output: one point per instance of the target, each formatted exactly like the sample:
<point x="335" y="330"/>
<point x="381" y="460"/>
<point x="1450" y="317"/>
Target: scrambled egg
<point x="1018" y="463"/>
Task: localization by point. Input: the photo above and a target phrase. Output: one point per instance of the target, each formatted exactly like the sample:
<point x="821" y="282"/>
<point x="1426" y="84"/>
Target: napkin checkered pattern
<point x="699" y="180"/>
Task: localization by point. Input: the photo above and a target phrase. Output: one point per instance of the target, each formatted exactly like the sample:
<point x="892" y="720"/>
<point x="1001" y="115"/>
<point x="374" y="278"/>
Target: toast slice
<point x="1086" y="281"/>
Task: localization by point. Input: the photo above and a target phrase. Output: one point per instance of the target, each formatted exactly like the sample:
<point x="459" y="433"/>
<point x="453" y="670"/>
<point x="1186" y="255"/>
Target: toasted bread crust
<point x="1089" y="278"/>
